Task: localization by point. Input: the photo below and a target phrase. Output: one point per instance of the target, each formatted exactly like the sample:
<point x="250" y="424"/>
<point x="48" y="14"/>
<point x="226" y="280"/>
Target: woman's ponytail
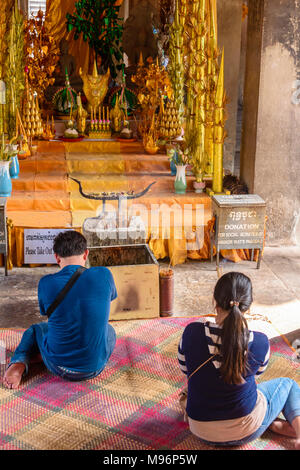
<point x="233" y="293"/>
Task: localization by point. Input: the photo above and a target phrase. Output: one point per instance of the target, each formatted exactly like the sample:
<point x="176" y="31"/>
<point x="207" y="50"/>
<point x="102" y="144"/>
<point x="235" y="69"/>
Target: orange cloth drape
<point x="56" y="19"/>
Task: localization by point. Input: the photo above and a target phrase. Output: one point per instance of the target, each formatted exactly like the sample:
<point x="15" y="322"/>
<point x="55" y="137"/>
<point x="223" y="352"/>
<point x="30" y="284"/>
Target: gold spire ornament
<point x="81" y="116"/>
<point x="196" y="84"/>
<point x="212" y="77"/>
<point x="5" y="14"/>
<point x="204" y="86"/>
<point x="176" y="55"/>
<point x="117" y="116"/>
<point x="219" y="131"/>
<point x="32" y="120"/>
<point x="14" y="69"/>
<point x="49" y="130"/>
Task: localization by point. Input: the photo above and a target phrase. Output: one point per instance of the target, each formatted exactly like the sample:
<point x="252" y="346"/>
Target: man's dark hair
<point x="69" y="243"/>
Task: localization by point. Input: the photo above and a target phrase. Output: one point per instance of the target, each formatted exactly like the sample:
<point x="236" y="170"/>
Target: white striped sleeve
<point x="181" y="358"/>
<point x="264" y="365"/>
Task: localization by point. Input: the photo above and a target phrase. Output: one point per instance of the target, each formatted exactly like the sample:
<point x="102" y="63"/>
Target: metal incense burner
<point x="110" y="227"/>
<point x="119" y="243"/>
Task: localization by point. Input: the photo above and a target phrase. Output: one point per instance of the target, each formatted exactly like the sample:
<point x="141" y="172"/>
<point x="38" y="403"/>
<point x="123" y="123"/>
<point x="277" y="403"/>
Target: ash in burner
<point x="112" y="229"/>
<point x="125" y="255"/>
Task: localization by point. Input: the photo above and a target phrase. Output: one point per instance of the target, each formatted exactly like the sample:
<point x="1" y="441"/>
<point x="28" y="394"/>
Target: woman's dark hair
<point x="233" y="293"/>
<point x="69" y="243"/>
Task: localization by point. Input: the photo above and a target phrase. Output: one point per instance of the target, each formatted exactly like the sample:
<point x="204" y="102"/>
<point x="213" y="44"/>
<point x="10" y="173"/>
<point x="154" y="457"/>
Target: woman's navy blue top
<point x="209" y="397"/>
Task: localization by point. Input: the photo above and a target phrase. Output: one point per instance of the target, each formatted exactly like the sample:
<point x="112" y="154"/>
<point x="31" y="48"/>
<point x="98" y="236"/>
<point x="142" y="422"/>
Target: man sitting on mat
<point x="77" y="340"/>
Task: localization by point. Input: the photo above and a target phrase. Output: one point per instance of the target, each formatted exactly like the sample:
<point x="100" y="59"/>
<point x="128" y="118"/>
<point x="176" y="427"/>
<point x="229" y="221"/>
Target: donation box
<point x="136" y="274"/>
<point x="239" y="223"/>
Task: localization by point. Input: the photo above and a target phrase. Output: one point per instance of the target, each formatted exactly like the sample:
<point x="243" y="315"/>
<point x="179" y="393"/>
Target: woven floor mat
<point x="132" y="405"/>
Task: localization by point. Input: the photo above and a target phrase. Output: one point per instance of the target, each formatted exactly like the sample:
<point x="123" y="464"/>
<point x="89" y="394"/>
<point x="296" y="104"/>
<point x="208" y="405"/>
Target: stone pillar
<point x="270" y="154"/>
<point x="229" y="36"/>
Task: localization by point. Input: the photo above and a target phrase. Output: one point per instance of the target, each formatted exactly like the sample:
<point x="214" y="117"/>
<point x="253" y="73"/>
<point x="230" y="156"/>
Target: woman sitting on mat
<point x="223" y="404"/>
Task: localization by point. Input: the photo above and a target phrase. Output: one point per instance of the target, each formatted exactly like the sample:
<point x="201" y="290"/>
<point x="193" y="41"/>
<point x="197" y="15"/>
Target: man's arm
<point x="114" y="293"/>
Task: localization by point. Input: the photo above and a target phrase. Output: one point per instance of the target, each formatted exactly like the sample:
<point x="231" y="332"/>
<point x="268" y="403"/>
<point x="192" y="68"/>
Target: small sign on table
<point x="239" y="224"/>
<point x="38" y="245"/>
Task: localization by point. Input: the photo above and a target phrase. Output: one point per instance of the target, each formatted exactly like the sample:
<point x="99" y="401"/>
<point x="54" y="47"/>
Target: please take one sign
<point x="38" y="245"/>
<point x="239" y="223"/>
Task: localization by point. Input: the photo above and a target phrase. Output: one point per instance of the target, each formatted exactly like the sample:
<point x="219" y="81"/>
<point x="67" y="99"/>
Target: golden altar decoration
<point x="194" y="50"/>
<point x="42" y="54"/>
<point x="219" y="134"/>
<point x="100" y="124"/>
<point x="80" y="115"/>
<point x="48" y="129"/>
<point x="31" y="116"/>
<point x="14" y="68"/>
<point x="176" y="56"/>
<point x="196" y="29"/>
<point x="169" y="121"/>
<point x="153" y="84"/>
<point x="95" y="87"/>
<point x="117" y="116"/>
<point x="5" y="10"/>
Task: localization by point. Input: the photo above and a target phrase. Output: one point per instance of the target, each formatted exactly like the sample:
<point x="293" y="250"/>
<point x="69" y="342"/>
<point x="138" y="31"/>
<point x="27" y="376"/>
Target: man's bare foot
<point x="280" y="426"/>
<point x="13" y="375"/>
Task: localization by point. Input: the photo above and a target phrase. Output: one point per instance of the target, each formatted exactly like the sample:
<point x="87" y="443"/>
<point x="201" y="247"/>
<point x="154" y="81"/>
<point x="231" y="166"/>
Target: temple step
<point x="103" y="147"/>
<point x="46" y="181"/>
<point x="117" y="164"/>
<point x="40" y="219"/>
<point x="117" y="183"/>
<point x="39" y="201"/>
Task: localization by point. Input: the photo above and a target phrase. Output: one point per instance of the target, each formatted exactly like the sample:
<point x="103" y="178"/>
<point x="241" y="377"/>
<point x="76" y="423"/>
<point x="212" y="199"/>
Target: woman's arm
<point x="264" y="365"/>
<point x="181" y="358"/>
<point x="259" y="353"/>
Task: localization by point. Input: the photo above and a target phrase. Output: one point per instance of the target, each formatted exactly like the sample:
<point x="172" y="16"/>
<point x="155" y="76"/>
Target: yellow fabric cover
<point x="44" y="196"/>
<point x="174" y="249"/>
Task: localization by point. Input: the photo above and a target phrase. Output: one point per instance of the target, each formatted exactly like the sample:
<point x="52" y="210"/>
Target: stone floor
<point x="276" y="288"/>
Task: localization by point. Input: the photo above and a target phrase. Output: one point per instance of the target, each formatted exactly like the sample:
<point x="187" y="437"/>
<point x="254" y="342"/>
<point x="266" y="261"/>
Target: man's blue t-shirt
<point x="77" y="329"/>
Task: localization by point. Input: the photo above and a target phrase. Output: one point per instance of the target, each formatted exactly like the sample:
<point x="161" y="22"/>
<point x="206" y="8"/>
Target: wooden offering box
<point x="136" y="274"/>
<point x="239" y="223"/>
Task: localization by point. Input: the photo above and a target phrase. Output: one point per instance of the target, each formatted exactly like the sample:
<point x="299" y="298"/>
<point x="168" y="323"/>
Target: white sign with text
<point x="38" y="245"/>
